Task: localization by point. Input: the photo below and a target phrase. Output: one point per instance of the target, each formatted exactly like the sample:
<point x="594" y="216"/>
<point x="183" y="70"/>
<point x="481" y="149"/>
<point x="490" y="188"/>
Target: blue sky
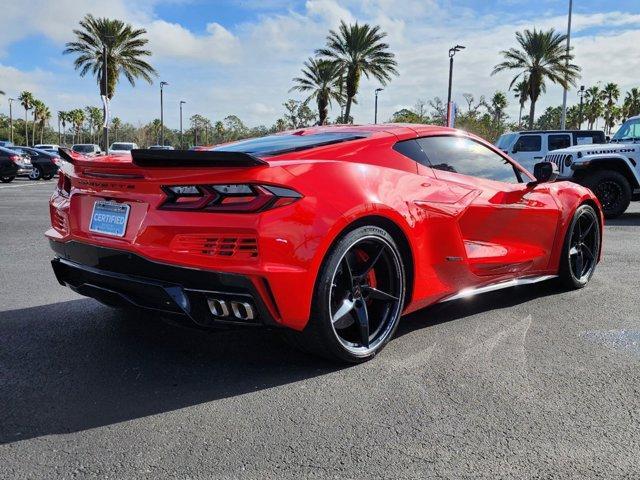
<point x="238" y="56"/>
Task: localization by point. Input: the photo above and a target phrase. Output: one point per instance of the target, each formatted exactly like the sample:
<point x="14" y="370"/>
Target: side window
<point x="559" y="141"/>
<point x="528" y="143"/>
<point x="412" y="150"/>
<point x="465" y="156"/>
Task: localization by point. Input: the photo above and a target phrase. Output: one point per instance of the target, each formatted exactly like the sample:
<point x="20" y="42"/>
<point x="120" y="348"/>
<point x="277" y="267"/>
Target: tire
<point x="358" y="298"/>
<point x="613" y="191"/>
<point x="581" y="248"/>
<point x="35" y="174"/>
<point x="7" y="179"/>
<point x="47" y="177"/>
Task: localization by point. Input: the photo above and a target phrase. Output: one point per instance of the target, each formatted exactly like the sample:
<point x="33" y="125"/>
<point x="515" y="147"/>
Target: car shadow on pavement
<point x="77" y="365"/>
<point x="629" y="219"/>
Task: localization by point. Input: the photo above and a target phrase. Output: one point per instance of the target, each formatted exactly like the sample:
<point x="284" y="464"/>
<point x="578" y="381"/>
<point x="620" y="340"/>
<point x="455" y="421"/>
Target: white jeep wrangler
<point x="611" y="171"/>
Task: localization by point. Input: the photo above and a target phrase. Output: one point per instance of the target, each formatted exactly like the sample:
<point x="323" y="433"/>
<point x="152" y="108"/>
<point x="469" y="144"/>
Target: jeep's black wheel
<point x="358" y="298"/>
<point x="581" y="248"/>
<point x="613" y="192"/>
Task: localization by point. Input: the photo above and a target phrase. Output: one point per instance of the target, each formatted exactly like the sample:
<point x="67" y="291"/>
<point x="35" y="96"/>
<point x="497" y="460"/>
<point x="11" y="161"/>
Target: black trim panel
<point x="194" y="158"/>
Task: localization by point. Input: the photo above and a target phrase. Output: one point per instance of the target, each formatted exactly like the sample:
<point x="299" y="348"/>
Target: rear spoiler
<point x="194" y="158"/>
<point x="65" y="154"/>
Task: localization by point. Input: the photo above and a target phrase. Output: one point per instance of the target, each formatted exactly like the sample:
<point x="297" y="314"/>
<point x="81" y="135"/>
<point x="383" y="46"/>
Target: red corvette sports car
<point x="330" y="233"/>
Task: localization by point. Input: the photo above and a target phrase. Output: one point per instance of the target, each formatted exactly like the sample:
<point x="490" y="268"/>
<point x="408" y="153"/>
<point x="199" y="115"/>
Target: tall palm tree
<point x="631" y="105"/>
<point x="521" y="92"/>
<point x="321" y="78"/>
<point x="357" y="50"/>
<point x="115" y="124"/>
<point x="77" y="119"/>
<point x="26" y="100"/>
<point x="38" y="106"/>
<point x="497" y="106"/>
<point x="125" y="51"/>
<point x="543" y="56"/>
<point x="610" y="94"/>
<point x="44" y="115"/>
<point x="64" y="118"/>
<point x="593" y="105"/>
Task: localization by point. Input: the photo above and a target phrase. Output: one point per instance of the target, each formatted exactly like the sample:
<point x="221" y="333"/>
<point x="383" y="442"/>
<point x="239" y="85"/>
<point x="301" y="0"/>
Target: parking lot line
<point x="23" y="185"/>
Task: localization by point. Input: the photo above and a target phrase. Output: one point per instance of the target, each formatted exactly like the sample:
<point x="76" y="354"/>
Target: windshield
<point x="121" y="146"/>
<point x="277" y="144"/>
<point x="83" y="148"/>
<point x="505" y="140"/>
<point x="630" y="130"/>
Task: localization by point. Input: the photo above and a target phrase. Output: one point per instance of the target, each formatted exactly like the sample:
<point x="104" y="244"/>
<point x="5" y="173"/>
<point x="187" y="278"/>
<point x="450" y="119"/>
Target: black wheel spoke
<point x="341" y="317"/>
<point x="348" y="271"/>
<point x="587" y="230"/>
<point x="587" y="250"/>
<point x="362" y="317"/>
<point x="579" y="264"/>
<point x="376" y="294"/>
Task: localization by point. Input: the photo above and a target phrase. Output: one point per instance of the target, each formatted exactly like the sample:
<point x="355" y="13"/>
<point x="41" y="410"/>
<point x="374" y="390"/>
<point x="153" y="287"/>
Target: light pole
<point x="11" y="100"/>
<point x="563" y="118"/>
<point x="162" y="84"/>
<point x="375" y="115"/>
<point x="452" y="52"/>
<point x="182" y="102"/>
<point x="59" y="133"/>
<point x="104" y="93"/>
<point x="581" y="93"/>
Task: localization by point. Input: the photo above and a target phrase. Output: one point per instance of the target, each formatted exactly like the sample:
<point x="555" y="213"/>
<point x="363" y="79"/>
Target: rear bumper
<point x="121" y="278"/>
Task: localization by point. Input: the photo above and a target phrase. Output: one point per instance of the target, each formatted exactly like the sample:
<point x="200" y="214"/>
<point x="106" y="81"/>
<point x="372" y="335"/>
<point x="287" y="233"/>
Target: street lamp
<point x="162" y="84"/>
<point x="581" y="93"/>
<point x="182" y="102"/>
<point x="563" y="117"/>
<point x="11" y="100"/>
<point x="452" y="52"/>
<point x="375" y="116"/>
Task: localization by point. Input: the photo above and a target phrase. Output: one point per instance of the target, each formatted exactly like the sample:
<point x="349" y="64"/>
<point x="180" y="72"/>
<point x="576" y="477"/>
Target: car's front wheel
<point x="613" y="191"/>
<point x="358" y="298"/>
<point x="581" y="248"/>
<point x="35" y="173"/>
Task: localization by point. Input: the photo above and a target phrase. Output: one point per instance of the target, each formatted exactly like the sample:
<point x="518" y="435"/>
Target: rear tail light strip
<point x="236" y="198"/>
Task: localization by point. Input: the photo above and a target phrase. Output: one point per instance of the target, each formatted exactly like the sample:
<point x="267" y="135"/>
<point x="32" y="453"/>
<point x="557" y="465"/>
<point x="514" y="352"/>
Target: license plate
<point x="109" y="218"/>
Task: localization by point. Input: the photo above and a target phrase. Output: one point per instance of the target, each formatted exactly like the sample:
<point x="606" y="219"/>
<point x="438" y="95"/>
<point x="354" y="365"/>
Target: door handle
<point x="538" y="158"/>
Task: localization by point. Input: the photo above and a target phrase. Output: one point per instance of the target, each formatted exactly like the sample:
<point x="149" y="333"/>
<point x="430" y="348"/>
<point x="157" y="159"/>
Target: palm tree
<point x="77" y="119"/>
<point x="115" y="123"/>
<point x="26" y="100"/>
<point x="125" y="51"/>
<point x="357" y="50"/>
<point x="44" y="115"/>
<point x="94" y="117"/>
<point x="593" y="105"/>
<point x="38" y="106"/>
<point x="497" y="106"/>
<point x="322" y="79"/>
<point x="543" y="56"/>
<point x="521" y="92"/>
<point x="610" y="94"/>
<point x="631" y="106"/>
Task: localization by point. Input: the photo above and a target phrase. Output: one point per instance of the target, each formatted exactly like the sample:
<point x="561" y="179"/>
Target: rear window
<point x="83" y="148"/>
<point x="122" y="146"/>
<point x="277" y="144"/>
<point x="505" y="140"/>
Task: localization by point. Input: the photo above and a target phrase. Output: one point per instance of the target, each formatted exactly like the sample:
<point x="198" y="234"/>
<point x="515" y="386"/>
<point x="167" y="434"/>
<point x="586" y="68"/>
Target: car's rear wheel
<point x="358" y="298"/>
<point x="6" y="179"/>
<point x="48" y="176"/>
<point x="35" y="173"/>
<point x="613" y="191"/>
<point x="581" y="248"/>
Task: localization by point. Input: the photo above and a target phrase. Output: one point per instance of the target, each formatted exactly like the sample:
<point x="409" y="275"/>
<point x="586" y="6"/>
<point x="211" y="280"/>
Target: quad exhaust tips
<point x="231" y="309"/>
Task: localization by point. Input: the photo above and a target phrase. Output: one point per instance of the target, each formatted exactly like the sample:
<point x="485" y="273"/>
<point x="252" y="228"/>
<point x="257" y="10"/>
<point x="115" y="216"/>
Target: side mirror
<point x="545" y="172"/>
<point x="515" y="148"/>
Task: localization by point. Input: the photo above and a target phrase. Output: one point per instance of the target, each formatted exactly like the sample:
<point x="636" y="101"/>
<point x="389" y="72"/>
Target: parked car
<point x="6" y="143"/>
<point x="44" y="164"/>
<point x="612" y="171"/>
<point x="329" y="234"/>
<point x="47" y="147"/>
<point x="9" y="164"/>
<point x="121" y="148"/>
<point x="87" y="149"/>
<point x="160" y="147"/>
<point x="530" y="147"/>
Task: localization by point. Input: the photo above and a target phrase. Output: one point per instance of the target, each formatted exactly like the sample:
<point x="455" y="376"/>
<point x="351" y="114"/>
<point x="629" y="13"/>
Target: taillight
<point x="15" y="158"/>
<point x="237" y="198"/>
<point x="64" y="184"/>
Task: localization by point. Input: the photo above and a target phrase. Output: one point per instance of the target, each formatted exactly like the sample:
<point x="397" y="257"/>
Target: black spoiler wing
<point x="194" y="158"/>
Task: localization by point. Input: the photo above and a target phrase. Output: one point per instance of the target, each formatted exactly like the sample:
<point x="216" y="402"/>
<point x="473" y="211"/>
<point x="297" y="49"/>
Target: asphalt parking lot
<point x="523" y="383"/>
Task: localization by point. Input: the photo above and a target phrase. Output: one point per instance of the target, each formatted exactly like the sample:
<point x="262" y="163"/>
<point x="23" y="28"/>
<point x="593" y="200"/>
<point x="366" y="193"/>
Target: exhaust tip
<point x="231" y="309"/>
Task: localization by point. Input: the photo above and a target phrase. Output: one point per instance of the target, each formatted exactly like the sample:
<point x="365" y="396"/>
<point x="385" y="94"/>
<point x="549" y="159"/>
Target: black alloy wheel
<point x="582" y="248"/>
